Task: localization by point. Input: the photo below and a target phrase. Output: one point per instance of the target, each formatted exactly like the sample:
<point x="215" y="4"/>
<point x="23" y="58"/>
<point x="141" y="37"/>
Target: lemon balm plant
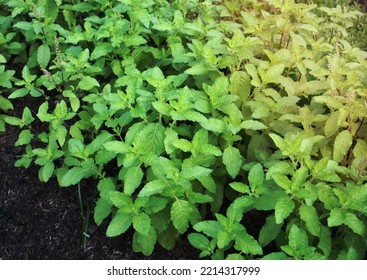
<point x="189" y="115"/>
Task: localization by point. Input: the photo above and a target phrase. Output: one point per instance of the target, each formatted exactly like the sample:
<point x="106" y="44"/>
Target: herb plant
<point x="188" y="115"/>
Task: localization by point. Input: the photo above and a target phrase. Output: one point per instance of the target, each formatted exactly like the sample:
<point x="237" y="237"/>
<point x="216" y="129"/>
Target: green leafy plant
<point x="187" y="116"/>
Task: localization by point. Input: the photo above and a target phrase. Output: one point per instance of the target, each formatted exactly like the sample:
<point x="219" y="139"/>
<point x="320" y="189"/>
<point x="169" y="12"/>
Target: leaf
<point x="133" y="178"/>
<point x="210" y="228"/>
<point x="342" y="144"/>
<point x="43" y="56"/>
<point x="240" y="85"/>
<point x="181" y="214"/>
<point x="150" y="139"/>
<point x="247" y="244"/>
<point x="18" y="93"/>
<point x="256" y="176"/>
<point x="283" y="208"/>
<point x="269" y="231"/>
<point x="102" y="210"/>
<point x="253" y="125"/>
<point x="297" y="237"/>
<point x="199" y="241"/>
<point x="101" y="50"/>
<point x="120" y="200"/>
<point x="47" y="171"/>
<point x="153" y="187"/>
<point x="232" y="159"/>
<point x="215" y="125"/>
<point x="208" y="183"/>
<point x="87" y="83"/>
<point x="197" y="69"/>
<point x="331" y="124"/>
<point x="336" y="218"/>
<point x="325" y="241"/>
<point x="196" y="172"/>
<point x="117" y="147"/>
<point x="223" y="238"/>
<point x="51" y="10"/>
<point x="141" y="223"/>
<point x="240" y="187"/>
<point x="268" y="201"/>
<point x="119" y="224"/>
<point x="355" y="224"/>
<point x="309" y="215"/>
<point x="25" y="136"/>
<point x="74" y="175"/>
<point x="145" y="242"/>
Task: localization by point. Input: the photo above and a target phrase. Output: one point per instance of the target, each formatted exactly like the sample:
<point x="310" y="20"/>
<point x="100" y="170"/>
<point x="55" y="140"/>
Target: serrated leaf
<point x="247" y="244"/>
<point x="232" y="159"/>
<point x="199" y="241"/>
<point x="252" y="125"/>
<point x="325" y="241"/>
<point x="309" y="215"/>
<point x="51" y="10"/>
<point x="74" y="175"/>
<point x="18" y="93"/>
<point x="240" y="85"/>
<point x="43" y="56"/>
<point x="210" y="228"/>
<point x="141" y="223"/>
<point x="197" y="69"/>
<point x="145" y="242"/>
<point x="195" y="172"/>
<point x="87" y="83"/>
<point x="102" y="210"/>
<point x="240" y="187"/>
<point x="283" y="208"/>
<point x="297" y="238"/>
<point x="120" y="200"/>
<point x="119" y="224"/>
<point x="355" y="224"/>
<point x="223" y="238"/>
<point x="25" y="136"/>
<point x="336" y="218"/>
<point x="181" y="214"/>
<point x="331" y="125"/>
<point x="268" y="201"/>
<point x="342" y="144"/>
<point x="269" y="231"/>
<point x="118" y="147"/>
<point x="101" y="50"/>
<point x="47" y="171"/>
<point x="133" y="178"/>
<point x="208" y="183"/>
<point x="153" y="187"/>
<point x="256" y="176"/>
<point x="215" y="125"/>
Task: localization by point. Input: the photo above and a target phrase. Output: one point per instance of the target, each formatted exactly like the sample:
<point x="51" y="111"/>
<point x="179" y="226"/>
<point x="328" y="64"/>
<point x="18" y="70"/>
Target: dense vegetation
<point x="191" y="114"/>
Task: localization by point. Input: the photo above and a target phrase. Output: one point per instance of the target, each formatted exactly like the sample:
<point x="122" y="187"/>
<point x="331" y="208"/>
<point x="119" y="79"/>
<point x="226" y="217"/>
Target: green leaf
<point x="181" y="214"/>
<point x="283" y="209"/>
<point x="210" y="228"/>
<point x="269" y="231"/>
<point x="199" y="241"/>
<point x="119" y="224"/>
<point x="74" y="175"/>
<point x="47" y="171"/>
<point x="337" y="217"/>
<point x="256" y="176"/>
<point x="240" y="85"/>
<point x="342" y="144"/>
<point x="13" y="121"/>
<point x="240" y="187"/>
<point x="133" y="178"/>
<point x="268" y="201"/>
<point x="224" y="238"/>
<point x="2" y="59"/>
<point x="208" y="183"/>
<point x="120" y="200"/>
<point x="145" y="242"/>
<point x="355" y="224"/>
<point x="87" y="83"/>
<point x="196" y="172"/>
<point x="43" y="56"/>
<point x="232" y="159"/>
<point x="25" y="136"/>
<point x="252" y="125"/>
<point x="325" y="241"/>
<point x="51" y="10"/>
<point x="141" y="223"/>
<point x="298" y="239"/>
<point x="18" y="93"/>
<point x="101" y="50"/>
<point x="117" y="147"/>
<point x="153" y="187"/>
<point x="247" y="244"/>
<point x="309" y="215"/>
<point x="150" y="139"/>
<point x="215" y="125"/>
<point x="197" y="69"/>
<point x="102" y="210"/>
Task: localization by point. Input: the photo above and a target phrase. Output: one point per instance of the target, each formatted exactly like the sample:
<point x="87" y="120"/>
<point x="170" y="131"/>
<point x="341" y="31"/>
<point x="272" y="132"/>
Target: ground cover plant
<point x="190" y="117"/>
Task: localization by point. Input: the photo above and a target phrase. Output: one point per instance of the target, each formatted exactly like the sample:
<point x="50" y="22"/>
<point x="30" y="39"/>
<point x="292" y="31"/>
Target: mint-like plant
<point x="187" y="116"/>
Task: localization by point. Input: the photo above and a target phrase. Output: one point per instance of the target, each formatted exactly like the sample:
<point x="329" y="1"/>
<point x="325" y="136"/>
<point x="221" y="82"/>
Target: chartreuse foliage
<point x="191" y="115"/>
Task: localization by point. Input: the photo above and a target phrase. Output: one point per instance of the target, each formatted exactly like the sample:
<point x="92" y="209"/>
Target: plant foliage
<point x="189" y="115"/>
